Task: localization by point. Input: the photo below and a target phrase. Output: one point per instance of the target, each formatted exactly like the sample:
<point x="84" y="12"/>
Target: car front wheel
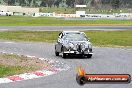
<point x="57" y="53"/>
<point x="63" y="55"/>
<point x="89" y="55"/>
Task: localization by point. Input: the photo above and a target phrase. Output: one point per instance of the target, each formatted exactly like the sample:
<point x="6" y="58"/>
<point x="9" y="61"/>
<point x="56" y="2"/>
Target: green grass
<point x="45" y="21"/>
<point x="99" y="38"/>
<point x="118" y="38"/>
<point x="29" y="36"/>
<point x="7" y="70"/>
<point x="11" y="70"/>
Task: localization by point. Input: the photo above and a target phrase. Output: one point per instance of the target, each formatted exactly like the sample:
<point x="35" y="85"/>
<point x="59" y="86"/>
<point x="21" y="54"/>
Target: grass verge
<point x="11" y="70"/>
<point x="13" y="64"/>
<point x="98" y="38"/>
<point x="45" y="21"/>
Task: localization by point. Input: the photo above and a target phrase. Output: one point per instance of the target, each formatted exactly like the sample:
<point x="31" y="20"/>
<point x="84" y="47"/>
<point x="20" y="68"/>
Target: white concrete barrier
<point x="6" y="13"/>
<point x="87" y="16"/>
<point x="43" y="15"/>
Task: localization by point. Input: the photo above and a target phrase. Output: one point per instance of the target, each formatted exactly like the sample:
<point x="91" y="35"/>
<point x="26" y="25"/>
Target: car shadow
<point x="75" y="57"/>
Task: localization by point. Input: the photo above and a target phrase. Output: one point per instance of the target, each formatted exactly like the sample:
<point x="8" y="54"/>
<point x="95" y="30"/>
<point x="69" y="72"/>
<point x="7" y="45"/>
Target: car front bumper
<point x="77" y="52"/>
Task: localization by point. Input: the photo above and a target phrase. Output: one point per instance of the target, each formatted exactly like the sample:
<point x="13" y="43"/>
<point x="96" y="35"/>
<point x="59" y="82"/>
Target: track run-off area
<point x="60" y="28"/>
<point x="105" y="60"/>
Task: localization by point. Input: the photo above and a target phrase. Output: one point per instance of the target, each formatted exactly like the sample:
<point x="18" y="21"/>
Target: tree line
<point x="70" y="3"/>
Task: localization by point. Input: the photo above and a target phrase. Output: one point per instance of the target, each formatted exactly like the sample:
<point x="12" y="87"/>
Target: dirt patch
<point x="23" y="61"/>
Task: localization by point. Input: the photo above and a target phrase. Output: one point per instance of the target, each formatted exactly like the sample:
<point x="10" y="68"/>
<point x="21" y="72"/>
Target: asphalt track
<point x="60" y="28"/>
<point x="104" y="60"/>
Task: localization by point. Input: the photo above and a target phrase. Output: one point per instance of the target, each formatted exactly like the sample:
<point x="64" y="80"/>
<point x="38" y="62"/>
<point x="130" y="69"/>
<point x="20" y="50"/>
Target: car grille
<point x="79" y="47"/>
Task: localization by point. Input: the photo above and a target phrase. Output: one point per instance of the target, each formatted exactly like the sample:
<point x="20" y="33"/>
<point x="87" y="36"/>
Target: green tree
<point x="70" y="3"/>
<point x="115" y="4"/>
<point x="49" y="3"/>
<point x="80" y="2"/>
<point x="57" y="2"/>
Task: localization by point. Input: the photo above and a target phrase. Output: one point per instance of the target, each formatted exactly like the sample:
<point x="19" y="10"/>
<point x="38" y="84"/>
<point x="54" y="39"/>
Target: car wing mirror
<point x="88" y="38"/>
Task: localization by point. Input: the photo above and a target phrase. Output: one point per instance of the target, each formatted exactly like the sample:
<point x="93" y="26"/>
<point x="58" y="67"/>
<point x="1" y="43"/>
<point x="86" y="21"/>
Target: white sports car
<point x="73" y="42"/>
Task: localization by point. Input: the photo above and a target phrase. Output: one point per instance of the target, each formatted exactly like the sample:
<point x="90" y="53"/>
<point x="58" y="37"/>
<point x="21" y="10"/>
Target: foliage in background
<point x="70" y="3"/>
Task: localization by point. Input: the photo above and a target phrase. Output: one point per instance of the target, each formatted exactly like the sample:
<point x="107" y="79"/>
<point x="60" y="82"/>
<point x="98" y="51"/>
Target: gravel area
<point x="23" y="61"/>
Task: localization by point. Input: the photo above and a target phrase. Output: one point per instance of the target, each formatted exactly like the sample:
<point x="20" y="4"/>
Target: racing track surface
<point x="60" y="28"/>
<point x="104" y="60"/>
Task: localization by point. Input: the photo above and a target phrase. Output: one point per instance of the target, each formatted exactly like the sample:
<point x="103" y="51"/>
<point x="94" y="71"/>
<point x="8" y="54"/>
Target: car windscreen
<point x="75" y="37"/>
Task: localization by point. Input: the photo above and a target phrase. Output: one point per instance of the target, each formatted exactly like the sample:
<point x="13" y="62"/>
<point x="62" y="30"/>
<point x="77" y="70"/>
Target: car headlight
<point x="71" y="45"/>
<point x="90" y="46"/>
<point x="83" y="46"/>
